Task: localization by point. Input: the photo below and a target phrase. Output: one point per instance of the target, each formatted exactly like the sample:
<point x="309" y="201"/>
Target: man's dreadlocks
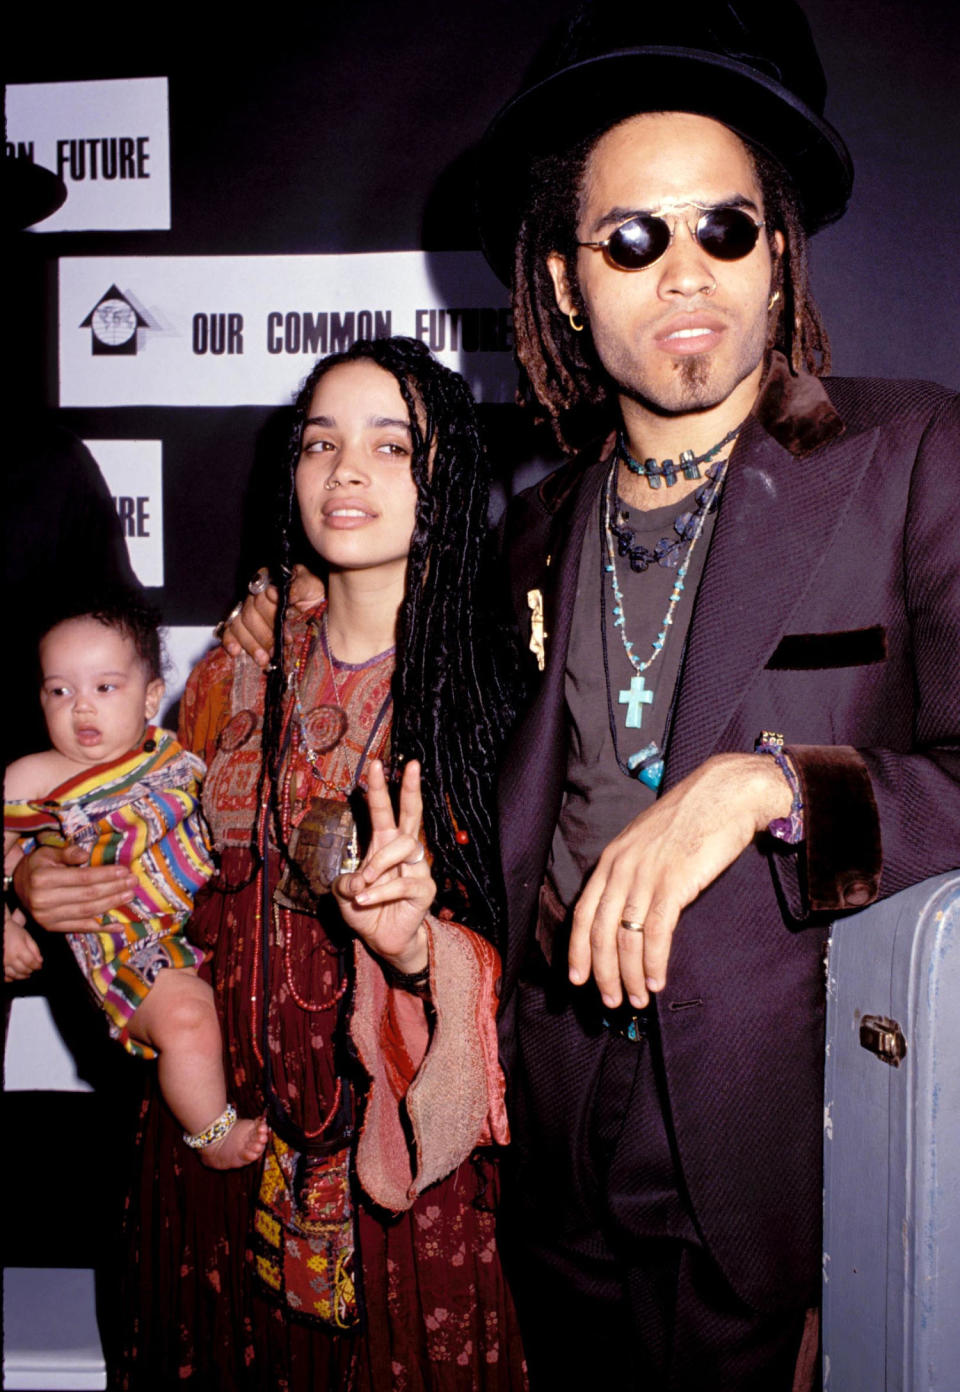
<point x="561" y="375"/>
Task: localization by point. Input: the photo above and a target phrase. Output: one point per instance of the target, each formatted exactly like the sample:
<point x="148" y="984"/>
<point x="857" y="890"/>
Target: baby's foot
<point x="243" y="1143"/>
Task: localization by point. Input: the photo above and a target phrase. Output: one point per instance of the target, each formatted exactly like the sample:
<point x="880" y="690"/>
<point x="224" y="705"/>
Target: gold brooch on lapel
<point x="537" y="633"/>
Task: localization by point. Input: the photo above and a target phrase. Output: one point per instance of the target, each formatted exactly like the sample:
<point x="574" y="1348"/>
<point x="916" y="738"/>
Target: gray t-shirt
<point x="599" y="800"/>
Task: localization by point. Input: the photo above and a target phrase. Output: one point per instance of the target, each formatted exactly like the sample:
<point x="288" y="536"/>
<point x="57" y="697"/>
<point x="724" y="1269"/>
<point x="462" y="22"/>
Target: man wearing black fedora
<point x="741" y="599"/>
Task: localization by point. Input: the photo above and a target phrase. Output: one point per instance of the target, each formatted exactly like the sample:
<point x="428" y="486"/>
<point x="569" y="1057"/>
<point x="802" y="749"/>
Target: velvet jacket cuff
<point x="837" y="866"/>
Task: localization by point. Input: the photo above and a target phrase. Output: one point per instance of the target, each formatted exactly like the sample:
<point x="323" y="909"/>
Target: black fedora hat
<point x="751" y="64"/>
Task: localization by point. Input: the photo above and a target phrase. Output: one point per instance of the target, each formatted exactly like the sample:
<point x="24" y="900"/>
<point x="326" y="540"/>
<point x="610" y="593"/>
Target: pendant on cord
<point x="323" y="846"/>
<point x="647" y="765"/>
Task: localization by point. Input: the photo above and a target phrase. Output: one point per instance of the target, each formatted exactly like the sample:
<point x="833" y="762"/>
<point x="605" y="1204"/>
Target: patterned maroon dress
<point x="224" y="1291"/>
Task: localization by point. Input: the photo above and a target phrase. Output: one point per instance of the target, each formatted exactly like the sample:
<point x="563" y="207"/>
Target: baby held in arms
<point x="127" y="793"/>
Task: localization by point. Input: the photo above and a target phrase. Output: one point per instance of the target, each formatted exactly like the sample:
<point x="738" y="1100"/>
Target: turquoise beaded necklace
<point x="647" y="764"/>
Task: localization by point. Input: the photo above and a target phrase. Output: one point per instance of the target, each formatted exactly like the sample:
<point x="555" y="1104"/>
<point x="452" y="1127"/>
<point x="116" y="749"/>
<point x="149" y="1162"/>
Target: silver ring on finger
<point x="631" y="925"/>
<point x="415" y="860"/>
<point x="259" y="582"/>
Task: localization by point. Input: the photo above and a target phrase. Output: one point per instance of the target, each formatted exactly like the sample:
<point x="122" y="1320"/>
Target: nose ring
<point x="331" y="484"/>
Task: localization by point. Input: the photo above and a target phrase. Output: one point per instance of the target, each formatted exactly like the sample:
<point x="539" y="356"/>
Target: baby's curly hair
<point x="127" y="612"/>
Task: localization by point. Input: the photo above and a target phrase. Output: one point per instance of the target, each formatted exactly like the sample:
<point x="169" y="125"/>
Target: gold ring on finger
<point x="631" y="925"/>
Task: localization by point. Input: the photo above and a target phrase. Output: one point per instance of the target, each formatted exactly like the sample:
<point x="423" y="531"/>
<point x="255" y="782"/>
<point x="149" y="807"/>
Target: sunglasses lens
<point x="727" y="233"/>
<point x="638" y="243"/>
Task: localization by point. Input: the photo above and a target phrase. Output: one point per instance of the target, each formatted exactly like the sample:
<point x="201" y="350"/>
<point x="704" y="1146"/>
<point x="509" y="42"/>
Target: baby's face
<point x="96" y="694"/>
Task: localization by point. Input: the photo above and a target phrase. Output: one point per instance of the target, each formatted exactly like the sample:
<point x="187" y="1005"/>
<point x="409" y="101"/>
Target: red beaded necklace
<point x="295" y="741"/>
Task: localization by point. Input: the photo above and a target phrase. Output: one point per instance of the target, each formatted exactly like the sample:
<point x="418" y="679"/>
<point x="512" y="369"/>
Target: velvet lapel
<point x="531" y="782"/>
<point x="778" y="517"/>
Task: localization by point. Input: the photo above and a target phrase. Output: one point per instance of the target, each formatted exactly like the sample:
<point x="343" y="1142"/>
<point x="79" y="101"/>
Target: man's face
<point x="683" y="333"/>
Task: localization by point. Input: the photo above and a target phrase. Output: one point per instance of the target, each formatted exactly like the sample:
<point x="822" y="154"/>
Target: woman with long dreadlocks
<point x="357" y="1020"/>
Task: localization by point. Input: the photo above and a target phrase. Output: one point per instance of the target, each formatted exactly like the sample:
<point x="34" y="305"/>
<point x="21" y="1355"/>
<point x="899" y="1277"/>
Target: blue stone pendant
<point x="647" y="765"/>
<point x="642" y="755"/>
<point x="652" y="775"/>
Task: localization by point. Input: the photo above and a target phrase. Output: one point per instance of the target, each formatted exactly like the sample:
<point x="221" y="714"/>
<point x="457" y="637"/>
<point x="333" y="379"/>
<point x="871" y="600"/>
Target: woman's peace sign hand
<point x="384" y="902"/>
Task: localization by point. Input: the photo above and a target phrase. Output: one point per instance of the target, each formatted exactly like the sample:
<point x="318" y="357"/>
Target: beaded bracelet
<point x="788" y="829"/>
<point x="416" y="983"/>
<point x="215" y="1131"/>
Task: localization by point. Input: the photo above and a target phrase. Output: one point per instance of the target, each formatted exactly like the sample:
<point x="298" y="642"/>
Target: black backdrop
<point x="347" y="133"/>
<point x="345" y="130"/>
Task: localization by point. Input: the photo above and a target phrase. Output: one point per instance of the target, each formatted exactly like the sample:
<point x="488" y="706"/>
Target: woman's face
<point x="354" y="486"/>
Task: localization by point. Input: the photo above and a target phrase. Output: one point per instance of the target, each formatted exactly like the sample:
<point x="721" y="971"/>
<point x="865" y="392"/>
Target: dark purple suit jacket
<point x="829" y="610"/>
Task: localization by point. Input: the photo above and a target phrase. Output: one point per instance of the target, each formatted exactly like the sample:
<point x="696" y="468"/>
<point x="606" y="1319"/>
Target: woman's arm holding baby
<point x="55" y="885"/>
<point x="64" y="894"/>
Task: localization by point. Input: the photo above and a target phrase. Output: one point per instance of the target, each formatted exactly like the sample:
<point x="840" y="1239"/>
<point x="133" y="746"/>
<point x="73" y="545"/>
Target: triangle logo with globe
<point x="114" y="323"/>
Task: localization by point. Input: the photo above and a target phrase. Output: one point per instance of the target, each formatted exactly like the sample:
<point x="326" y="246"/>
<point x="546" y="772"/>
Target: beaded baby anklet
<point x="216" y="1131"/>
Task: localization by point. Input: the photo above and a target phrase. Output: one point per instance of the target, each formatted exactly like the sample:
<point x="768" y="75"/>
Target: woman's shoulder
<point x="219" y="680"/>
<point x="206" y="700"/>
<point x="213" y="666"/>
<point x="212" y="672"/>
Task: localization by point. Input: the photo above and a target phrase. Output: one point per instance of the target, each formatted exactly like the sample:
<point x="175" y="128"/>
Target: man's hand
<point x="660" y="863"/>
<point x="66" y="895"/>
<point x="385" y="901"/>
<point x="252" y="629"/>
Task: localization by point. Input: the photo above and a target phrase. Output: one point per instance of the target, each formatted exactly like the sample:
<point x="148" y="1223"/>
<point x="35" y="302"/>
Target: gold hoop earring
<point x="773" y="300"/>
<point x="577" y="328"/>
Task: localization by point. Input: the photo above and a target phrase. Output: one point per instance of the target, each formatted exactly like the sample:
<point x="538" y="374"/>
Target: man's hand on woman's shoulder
<point x="248" y="628"/>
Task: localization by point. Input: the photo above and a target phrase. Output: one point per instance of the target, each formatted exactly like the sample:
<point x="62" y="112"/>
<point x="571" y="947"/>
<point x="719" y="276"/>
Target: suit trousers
<point x="612" y="1281"/>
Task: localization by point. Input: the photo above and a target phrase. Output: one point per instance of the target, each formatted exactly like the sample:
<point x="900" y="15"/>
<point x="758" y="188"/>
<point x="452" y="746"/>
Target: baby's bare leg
<point x="179" y="1020"/>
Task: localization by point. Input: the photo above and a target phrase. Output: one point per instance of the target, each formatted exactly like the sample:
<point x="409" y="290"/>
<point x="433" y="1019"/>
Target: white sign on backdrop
<point x="109" y="141"/>
<point x="133" y="470"/>
<point x="244" y="330"/>
<point x="183" y="645"/>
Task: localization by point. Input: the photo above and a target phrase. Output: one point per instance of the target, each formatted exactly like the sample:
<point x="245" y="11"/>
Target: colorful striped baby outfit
<point x="140" y="811"/>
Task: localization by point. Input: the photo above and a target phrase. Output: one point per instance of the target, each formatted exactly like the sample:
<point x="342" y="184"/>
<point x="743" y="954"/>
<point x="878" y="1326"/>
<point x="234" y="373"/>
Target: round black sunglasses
<point x="726" y="233"/>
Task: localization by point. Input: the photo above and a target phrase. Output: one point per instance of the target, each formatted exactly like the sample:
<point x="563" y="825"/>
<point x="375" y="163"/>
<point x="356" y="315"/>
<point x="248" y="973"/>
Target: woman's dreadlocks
<point x="453" y="696"/>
